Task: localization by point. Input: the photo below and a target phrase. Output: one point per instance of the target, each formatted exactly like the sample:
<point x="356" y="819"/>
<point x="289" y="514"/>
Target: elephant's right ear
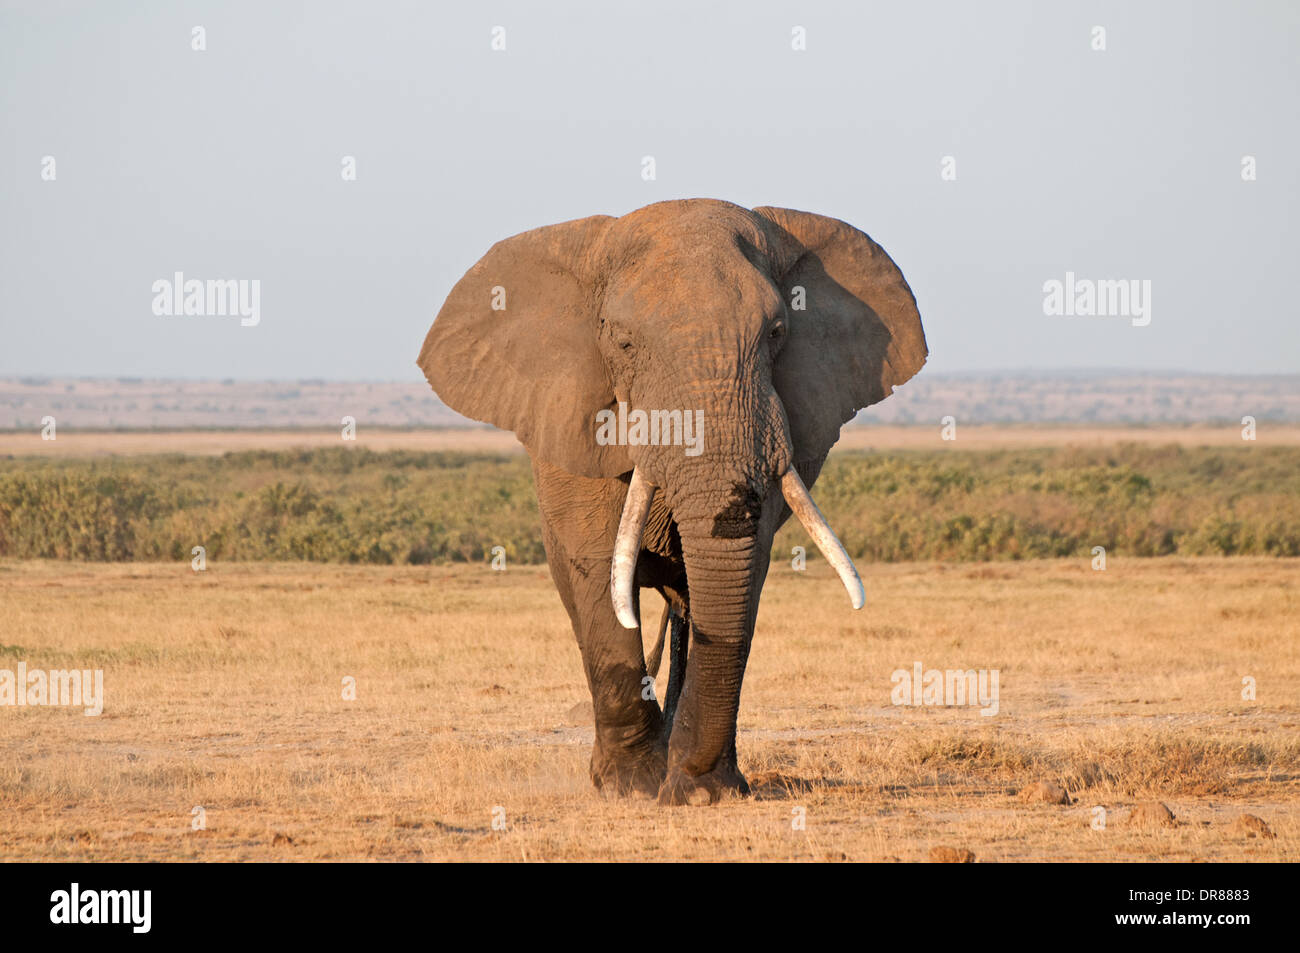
<point x="515" y="346"/>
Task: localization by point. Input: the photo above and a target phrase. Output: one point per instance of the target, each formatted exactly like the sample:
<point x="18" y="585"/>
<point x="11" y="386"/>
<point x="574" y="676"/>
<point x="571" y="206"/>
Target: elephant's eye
<point x="777" y="332"/>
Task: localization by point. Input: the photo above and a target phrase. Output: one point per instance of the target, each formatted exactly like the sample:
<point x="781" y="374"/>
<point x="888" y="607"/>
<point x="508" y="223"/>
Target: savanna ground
<point x="225" y="691"/>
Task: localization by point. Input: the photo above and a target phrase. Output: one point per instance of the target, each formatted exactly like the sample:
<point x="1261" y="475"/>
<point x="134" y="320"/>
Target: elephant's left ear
<point x="855" y="333"/>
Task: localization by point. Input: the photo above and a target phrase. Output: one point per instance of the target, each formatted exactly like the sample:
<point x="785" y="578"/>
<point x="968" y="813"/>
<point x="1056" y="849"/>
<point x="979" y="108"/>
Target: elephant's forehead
<point x="707" y="292"/>
<point x="681" y="212"/>
<point x="712" y="254"/>
<point x="680" y="232"/>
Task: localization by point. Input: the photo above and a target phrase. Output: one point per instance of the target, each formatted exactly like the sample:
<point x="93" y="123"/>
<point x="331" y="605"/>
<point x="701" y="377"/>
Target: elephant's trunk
<point x="726" y="550"/>
<point x="637" y="508"/>
<point x="725" y="575"/>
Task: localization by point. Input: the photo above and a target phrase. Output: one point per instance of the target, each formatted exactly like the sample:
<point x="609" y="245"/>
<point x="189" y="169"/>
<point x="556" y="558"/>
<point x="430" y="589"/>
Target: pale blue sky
<point x="226" y="164"/>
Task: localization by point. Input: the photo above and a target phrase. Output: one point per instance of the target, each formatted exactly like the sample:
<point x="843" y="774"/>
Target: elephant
<point x="767" y="330"/>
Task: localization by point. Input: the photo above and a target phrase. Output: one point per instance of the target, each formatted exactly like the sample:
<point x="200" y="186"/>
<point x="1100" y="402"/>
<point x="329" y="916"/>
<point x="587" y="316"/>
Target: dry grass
<point x="130" y="443"/>
<point x="224" y="690"/>
<point x="73" y="443"/>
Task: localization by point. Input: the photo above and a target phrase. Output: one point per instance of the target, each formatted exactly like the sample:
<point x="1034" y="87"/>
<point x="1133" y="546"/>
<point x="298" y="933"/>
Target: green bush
<point x="357" y="506"/>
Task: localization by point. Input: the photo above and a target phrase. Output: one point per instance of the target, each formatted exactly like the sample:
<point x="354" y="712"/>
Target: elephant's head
<point x="773" y="327"/>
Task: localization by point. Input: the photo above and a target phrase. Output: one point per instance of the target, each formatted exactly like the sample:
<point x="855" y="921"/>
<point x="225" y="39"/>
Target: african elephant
<point x="767" y="329"/>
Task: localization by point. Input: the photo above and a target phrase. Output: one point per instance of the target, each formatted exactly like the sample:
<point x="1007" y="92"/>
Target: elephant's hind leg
<point x="679" y="627"/>
<point x="657" y="650"/>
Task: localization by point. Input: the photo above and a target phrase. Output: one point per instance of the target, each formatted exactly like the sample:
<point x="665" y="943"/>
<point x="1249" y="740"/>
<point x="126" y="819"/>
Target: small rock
<point x="581" y="714"/>
<point x="281" y="840"/>
<point x="942" y="854"/>
<point x="1151" y="814"/>
<point x="1253" y="826"/>
<point x="1048" y="792"/>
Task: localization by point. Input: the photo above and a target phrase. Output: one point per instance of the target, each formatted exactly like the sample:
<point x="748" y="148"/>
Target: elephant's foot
<point x="629" y="773"/>
<point x="725" y="780"/>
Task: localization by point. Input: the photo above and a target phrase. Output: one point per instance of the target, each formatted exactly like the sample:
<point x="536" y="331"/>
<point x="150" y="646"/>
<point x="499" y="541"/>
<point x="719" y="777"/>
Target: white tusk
<point x="622" y="573"/>
<point x="802" y="505"/>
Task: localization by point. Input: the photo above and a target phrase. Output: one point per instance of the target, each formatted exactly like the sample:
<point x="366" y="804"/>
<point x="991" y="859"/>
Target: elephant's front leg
<point x="580" y="519"/>
<point x="629" y="753"/>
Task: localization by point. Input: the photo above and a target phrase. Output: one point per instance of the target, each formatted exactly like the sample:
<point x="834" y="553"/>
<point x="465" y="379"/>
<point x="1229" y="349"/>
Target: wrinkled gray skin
<point x="680" y="305"/>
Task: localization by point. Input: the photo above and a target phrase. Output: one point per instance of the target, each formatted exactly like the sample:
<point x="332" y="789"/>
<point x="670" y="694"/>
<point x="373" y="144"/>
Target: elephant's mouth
<point x="739" y="518"/>
<point x="637" y="508"/>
